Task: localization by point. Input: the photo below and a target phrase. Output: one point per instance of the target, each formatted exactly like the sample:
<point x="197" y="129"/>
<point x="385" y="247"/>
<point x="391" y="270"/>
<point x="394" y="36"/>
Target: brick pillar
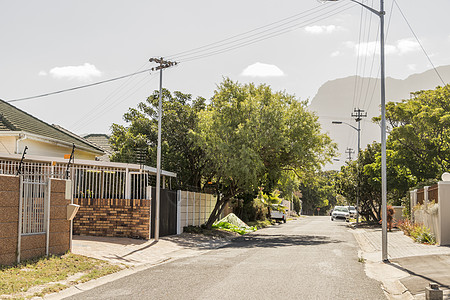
<point x="9" y="218"/>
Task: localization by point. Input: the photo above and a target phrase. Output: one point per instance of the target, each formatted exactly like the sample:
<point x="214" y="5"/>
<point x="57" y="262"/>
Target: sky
<point x="294" y="46"/>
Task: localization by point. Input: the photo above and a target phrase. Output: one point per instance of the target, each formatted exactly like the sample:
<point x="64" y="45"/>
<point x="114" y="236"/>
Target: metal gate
<point x="34" y="204"/>
<point x="167" y="212"/>
<point x="34" y="208"/>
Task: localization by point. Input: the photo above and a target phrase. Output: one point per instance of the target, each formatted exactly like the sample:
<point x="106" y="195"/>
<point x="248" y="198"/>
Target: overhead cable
<point x="418" y="41"/>
<point x="78" y="87"/>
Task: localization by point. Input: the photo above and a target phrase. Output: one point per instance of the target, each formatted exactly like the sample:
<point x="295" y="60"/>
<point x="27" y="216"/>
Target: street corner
<point x="389" y="274"/>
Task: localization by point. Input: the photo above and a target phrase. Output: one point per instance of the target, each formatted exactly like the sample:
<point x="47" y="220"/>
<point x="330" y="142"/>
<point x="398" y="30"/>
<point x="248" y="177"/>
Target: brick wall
<point x="112" y="217"/>
<point x="31" y="245"/>
<point x="9" y="217"/>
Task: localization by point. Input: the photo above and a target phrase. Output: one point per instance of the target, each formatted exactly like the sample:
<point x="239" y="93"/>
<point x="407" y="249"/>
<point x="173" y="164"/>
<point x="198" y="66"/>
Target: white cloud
<point x="401" y="47"/>
<point x="84" y="72"/>
<point x="407" y="45"/>
<point x="335" y="53"/>
<point x="316" y="29"/>
<point x="262" y="70"/>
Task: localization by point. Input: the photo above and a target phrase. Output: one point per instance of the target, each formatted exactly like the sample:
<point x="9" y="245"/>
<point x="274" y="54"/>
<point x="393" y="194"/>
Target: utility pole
<point x="163" y="64"/>
<point x="358" y="114"/>
<point x="384" y="241"/>
<point x="349" y="151"/>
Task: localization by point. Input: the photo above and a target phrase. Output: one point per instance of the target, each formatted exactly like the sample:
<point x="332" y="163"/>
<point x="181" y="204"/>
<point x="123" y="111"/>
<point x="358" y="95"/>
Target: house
<point x="19" y="129"/>
<point x="101" y="140"/>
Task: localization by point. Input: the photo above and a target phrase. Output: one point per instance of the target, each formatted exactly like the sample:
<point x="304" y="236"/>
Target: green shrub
<point x="230" y="227"/>
<point x="417" y="232"/>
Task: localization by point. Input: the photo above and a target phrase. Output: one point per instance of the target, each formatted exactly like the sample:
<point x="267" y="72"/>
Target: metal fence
<point x="34" y="202"/>
<point x="91" y="180"/>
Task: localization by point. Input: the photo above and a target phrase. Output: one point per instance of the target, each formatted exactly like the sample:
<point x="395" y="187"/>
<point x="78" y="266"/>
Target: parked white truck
<point x="278" y="215"/>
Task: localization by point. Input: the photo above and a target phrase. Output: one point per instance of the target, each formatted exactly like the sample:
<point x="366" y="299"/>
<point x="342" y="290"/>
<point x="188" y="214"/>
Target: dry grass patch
<point x="48" y="275"/>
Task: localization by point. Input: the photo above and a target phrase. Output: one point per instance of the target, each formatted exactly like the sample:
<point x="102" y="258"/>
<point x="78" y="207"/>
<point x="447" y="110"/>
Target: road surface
<point x="309" y="258"/>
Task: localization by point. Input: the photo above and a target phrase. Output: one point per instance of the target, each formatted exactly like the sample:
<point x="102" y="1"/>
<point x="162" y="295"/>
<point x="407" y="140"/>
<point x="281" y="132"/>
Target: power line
<point x="191" y="51"/>
<point x="418" y="41"/>
<point x="204" y="55"/>
<point x="78" y="87"/>
<point x="86" y="120"/>
<point x="269" y="35"/>
<point x="246" y="35"/>
<point x="365" y="56"/>
<point x="379" y="67"/>
<point x="94" y="110"/>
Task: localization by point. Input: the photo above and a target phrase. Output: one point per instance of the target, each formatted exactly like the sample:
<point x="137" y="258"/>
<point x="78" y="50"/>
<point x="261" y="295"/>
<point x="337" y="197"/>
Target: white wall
<point x="194" y="208"/>
<point x="46" y="149"/>
<point x="8" y="144"/>
<point x="444" y="212"/>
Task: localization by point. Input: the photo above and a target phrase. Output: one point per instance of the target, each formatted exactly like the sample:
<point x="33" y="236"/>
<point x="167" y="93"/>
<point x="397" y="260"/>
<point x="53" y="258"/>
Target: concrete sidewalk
<point x="412" y="265"/>
<point x="133" y="252"/>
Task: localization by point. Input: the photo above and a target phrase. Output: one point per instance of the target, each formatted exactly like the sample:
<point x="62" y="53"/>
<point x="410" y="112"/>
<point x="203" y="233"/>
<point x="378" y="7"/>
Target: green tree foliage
<point x="368" y="176"/>
<point x="251" y="135"/>
<point x="179" y="152"/>
<point x="420" y="133"/>
<point x="318" y="191"/>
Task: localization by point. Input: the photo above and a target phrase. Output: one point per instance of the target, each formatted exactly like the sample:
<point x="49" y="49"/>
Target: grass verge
<point x="41" y="276"/>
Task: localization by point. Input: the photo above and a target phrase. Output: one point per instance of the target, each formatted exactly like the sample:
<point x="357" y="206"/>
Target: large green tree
<point x="179" y="152"/>
<point x="420" y="135"/>
<point x="251" y="135"/>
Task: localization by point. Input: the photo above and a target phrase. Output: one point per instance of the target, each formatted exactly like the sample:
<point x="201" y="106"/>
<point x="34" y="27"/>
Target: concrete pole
<point x="158" y="161"/>
<point x="384" y="241"/>
<point x="358" y="192"/>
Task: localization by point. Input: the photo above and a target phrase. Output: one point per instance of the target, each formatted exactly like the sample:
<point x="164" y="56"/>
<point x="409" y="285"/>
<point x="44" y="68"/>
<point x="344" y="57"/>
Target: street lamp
<point x="381" y="14"/>
<point x="359" y="181"/>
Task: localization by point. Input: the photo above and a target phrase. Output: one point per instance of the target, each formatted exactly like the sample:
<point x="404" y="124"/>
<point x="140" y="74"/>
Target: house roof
<point x="14" y="119"/>
<point x="100" y="139"/>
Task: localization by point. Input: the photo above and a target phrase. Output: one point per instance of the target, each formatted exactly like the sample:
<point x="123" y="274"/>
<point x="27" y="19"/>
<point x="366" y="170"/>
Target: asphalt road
<point x="310" y="258"/>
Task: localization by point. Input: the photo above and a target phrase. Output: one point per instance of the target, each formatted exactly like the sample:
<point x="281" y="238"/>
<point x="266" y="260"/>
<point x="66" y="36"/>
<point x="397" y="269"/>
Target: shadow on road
<point x="266" y="241"/>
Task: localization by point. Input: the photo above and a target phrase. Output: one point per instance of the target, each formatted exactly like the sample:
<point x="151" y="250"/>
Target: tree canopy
<point x="179" y="152"/>
<point x="420" y="135"/>
<point x="251" y="135"/>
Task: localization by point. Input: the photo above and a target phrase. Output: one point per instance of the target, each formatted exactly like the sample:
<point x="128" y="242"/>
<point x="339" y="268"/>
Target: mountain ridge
<point x="335" y="100"/>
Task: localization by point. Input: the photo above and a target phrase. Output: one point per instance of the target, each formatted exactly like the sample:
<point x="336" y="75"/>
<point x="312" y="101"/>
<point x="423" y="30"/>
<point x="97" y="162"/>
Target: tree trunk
<point x="218" y="208"/>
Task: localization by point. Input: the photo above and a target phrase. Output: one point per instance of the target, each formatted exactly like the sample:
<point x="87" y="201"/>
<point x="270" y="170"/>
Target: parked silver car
<point x="352" y="211"/>
<point x="340" y="212"/>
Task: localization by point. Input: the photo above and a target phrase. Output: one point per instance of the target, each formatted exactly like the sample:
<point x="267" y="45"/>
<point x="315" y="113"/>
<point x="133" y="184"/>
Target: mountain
<point x="335" y="101"/>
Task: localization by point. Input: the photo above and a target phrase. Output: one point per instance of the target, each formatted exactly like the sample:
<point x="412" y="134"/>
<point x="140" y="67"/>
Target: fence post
<point x="443" y="236"/>
<point x="127" y="184"/>
<point x="19" y="231"/>
<point x="47" y="216"/>
<point x="412" y="203"/>
<point x="179" y="229"/>
<point x="149" y="197"/>
<point x="187" y="208"/>
<point x="425" y="195"/>
<point x="193" y="212"/>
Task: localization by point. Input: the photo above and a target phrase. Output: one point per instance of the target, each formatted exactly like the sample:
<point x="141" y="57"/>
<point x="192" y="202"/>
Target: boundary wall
<point x="113" y="218"/>
<point x="32" y="245"/>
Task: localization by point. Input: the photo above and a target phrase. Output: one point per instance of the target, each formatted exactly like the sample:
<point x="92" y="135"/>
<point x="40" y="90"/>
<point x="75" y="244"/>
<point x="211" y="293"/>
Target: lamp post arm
<point x="378" y="13"/>
<point x="351" y="126"/>
<point x="342" y="122"/>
